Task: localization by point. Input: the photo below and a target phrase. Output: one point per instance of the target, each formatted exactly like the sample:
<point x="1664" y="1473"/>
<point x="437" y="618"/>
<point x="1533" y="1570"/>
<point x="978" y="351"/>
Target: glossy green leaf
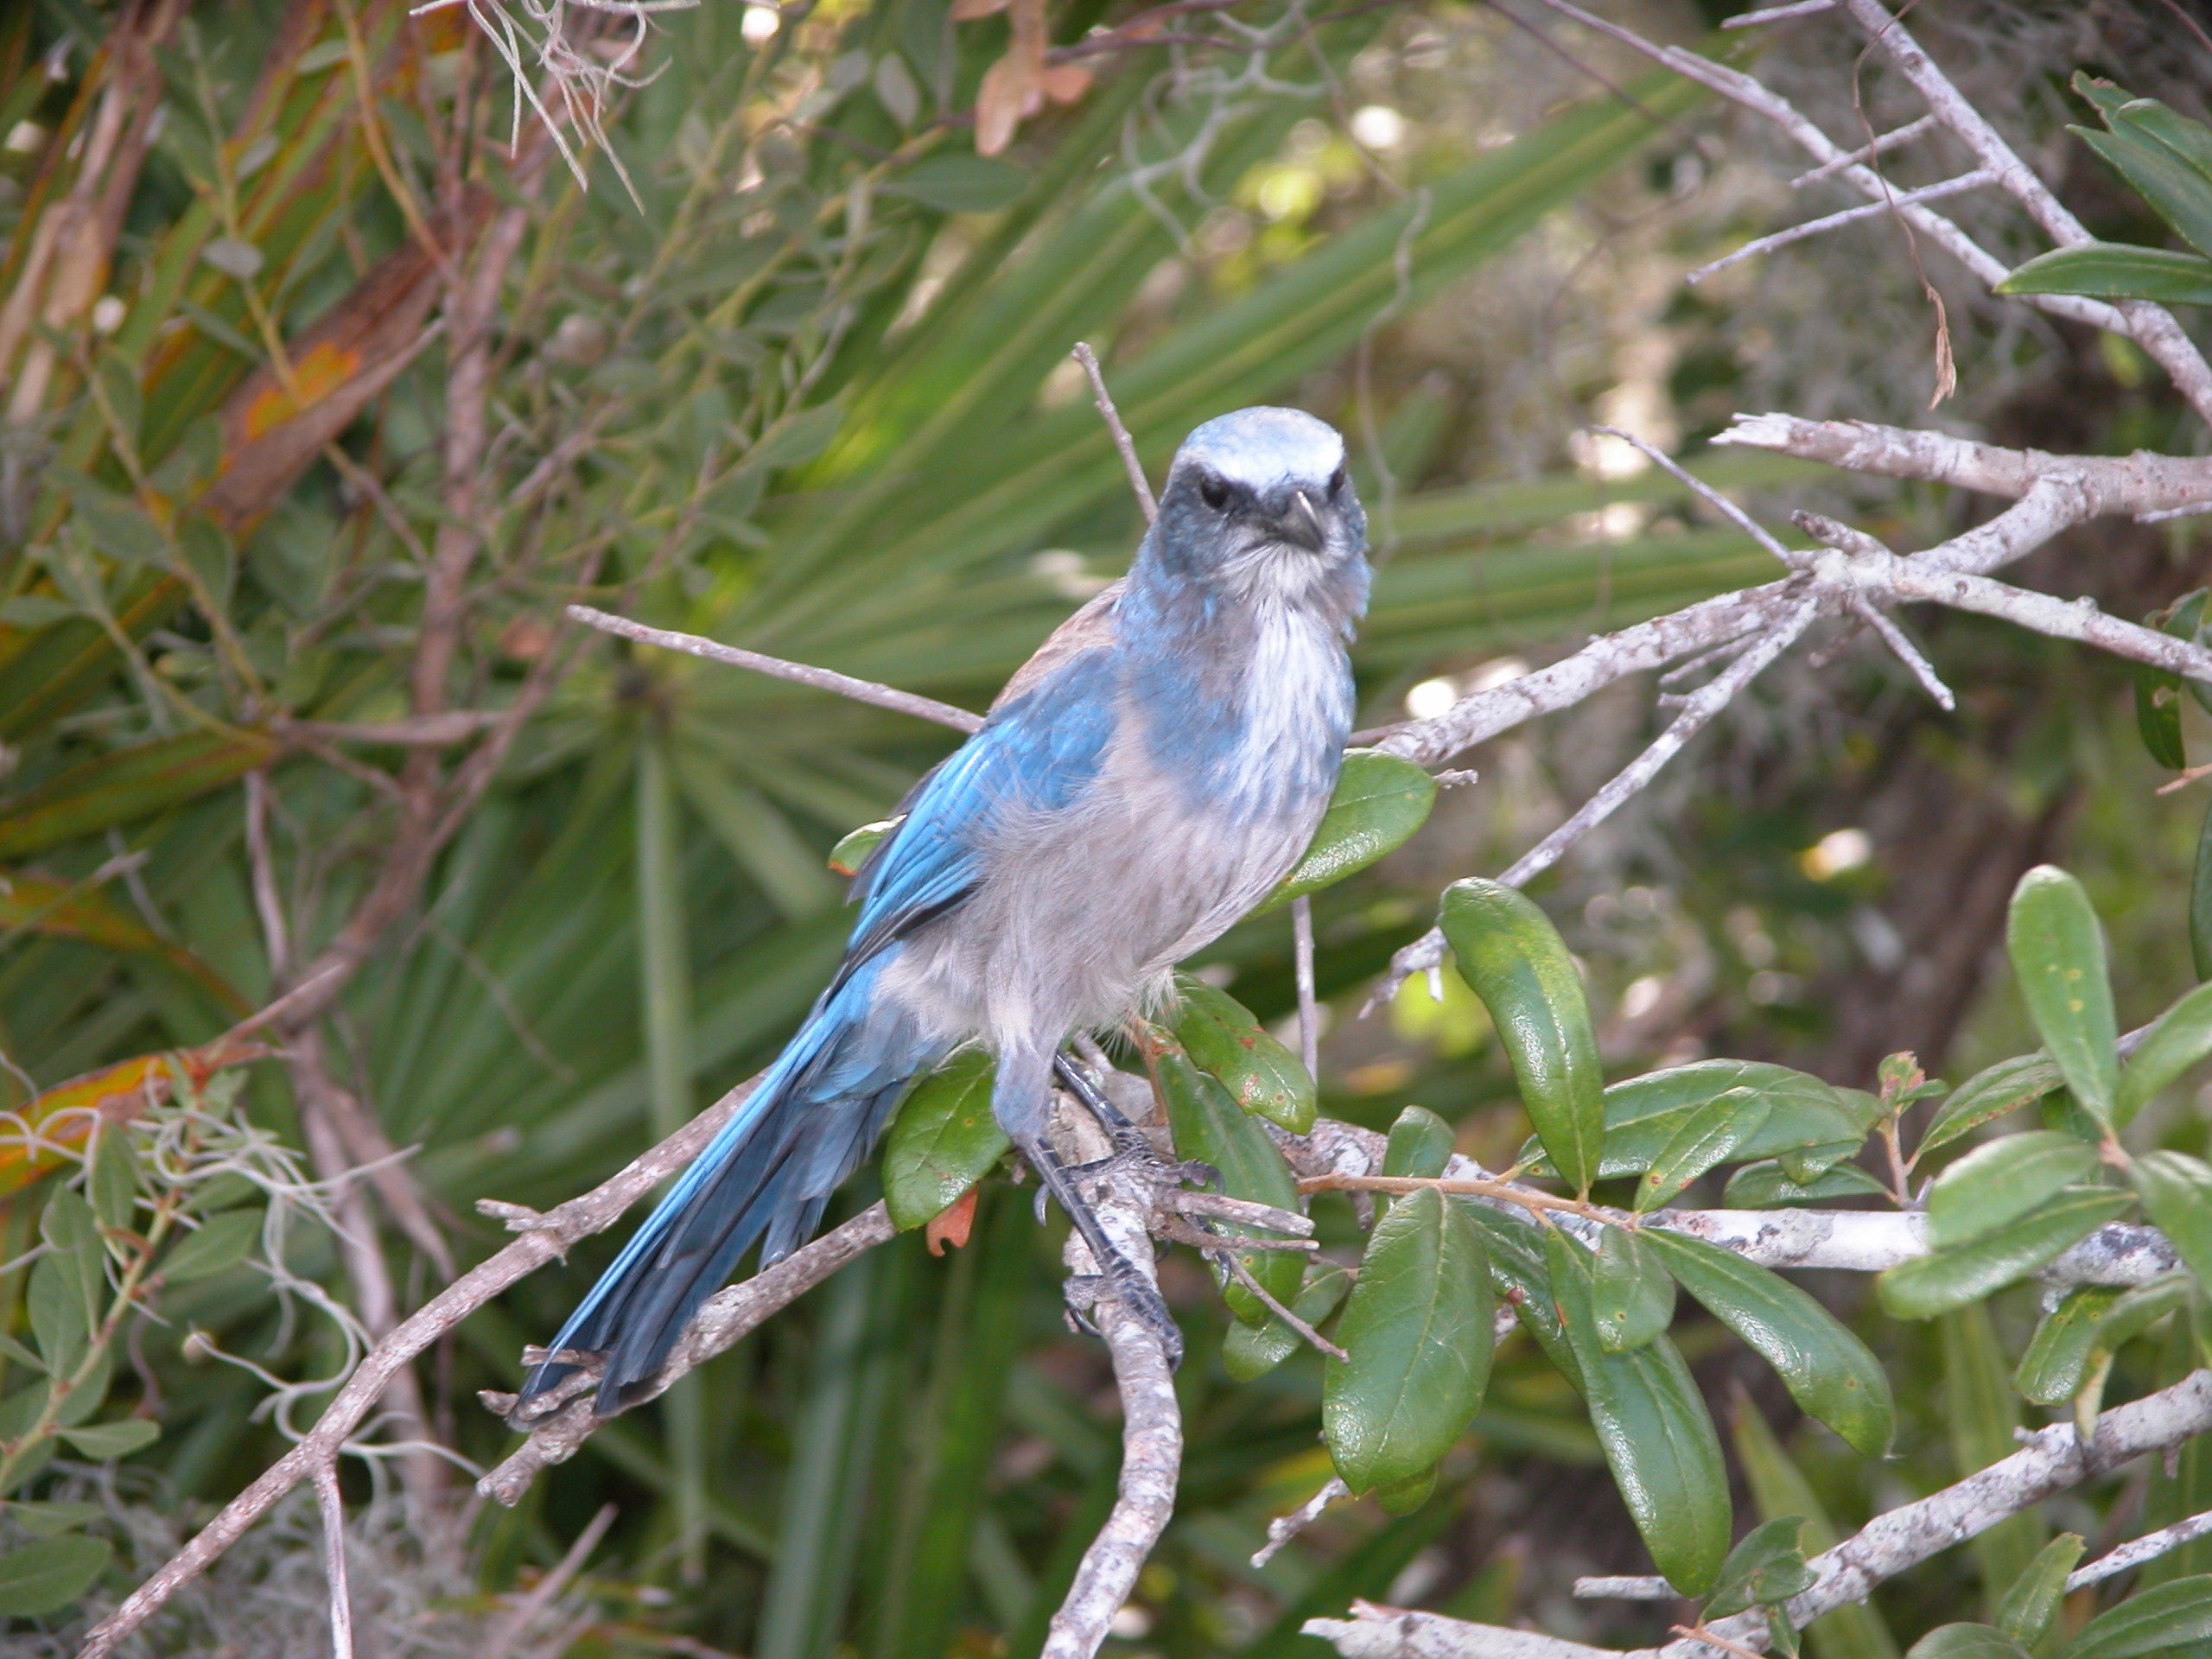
<point x="1933" y="1284"/>
<point x="47" y="1574"/>
<point x="852" y="850"/>
<point x="1222" y="1037"/>
<point x="2116" y="270"/>
<point x="1708" y="1137"/>
<point x="1779" y="1488"/>
<point x="1642" y="1113"/>
<point x="1419" y="1145"/>
<point x="1380" y="801"/>
<point x="1827" y="1370"/>
<point x="2058" y="1358"/>
<point x="219" y="1244"/>
<point x="2001" y="1180"/>
<point x="1518" y="1272"/>
<point x="1989" y="1095"/>
<point x="129" y="784"/>
<point x="2033" y="1602"/>
<point x="1765" y="1569"/>
<point x="2181" y="1038"/>
<point x="2176" y="1193"/>
<point x="1632" y="1297"/>
<point x="943" y="1141"/>
<point x="2174" y="1617"/>
<point x="1658" y="1437"/>
<point x="1417" y="1328"/>
<point x="2177" y="192"/>
<point x="1211" y="1127"/>
<point x="1249" y="1351"/>
<point x="2141" y="1306"/>
<point x="2058" y="956"/>
<point x="1512" y="956"/>
<point x="115" y="1440"/>
<point x="2158" y="715"/>
<point x="1966" y="1642"/>
<point x="1765" y="1186"/>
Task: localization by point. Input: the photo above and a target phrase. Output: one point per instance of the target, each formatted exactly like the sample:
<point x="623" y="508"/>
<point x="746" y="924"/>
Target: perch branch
<point x="2149" y="1546"/>
<point x="1284" y="1527"/>
<point x="1126" y="446"/>
<point x="332" y="1505"/>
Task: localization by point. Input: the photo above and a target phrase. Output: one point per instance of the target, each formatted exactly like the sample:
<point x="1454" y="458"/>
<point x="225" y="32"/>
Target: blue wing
<point x="1039" y="749"/>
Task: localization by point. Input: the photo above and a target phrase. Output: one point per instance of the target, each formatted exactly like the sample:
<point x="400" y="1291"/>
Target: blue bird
<point x="1142" y="781"/>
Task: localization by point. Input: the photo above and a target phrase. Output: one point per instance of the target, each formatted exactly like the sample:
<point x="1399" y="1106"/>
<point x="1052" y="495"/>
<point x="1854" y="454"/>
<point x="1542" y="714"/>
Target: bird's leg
<point x="1127" y="1284"/>
<point x="1131" y="1144"/>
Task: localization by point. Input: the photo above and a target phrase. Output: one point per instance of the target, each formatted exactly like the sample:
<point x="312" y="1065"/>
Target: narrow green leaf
<point x="1515" y="1249"/>
<point x="943" y="1141"/>
<point x="1933" y="1284"/>
<point x="1420" y="1145"/>
<point x="1980" y="1414"/>
<point x="2116" y="270"/>
<point x="48" y="1575"/>
<point x="1632" y="1297"/>
<point x="959" y="183"/>
<point x="2058" y="953"/>
<point x="73" y="1234"/>
<point x="1989" y="1095"/>
<point x="2158" y="715"/>
<point x="57" y="1314"/>
<point x="2106" y="96"/>
<point x="2181" y="1037"/>
<point x="1417" y="1328"/>
<point x="2177" y="192"/>
<point x="1658" y="1437"/>
<point x="2140" y="1307"/>
<point x="2172" y="1618"/>
<point x="219" y="1244"/>
<point x="1210" y="1127"/>
<point x="1853" y="1630"/>
<point x="115" y="1440"/>
<point x="128" y="784"/>
<point x="1642" y="1113"/>
<point x="1512" y="956"/>
<point x="852" y="851"/>
<point x="2058" y="1358"/>
<point x="1224" y="1038"/>
<point x="2033" y="1602"/>
<point x="1765" y="1186"/>
<point x="43" y="1520"/>
<point x="1827" y="1370"/>
<point x="113" y="1180"/>
<point x="1708" y="1137"/>
<point x="2001" y="1180"/>
<point x="1249" y="1351"/>
<point x="1966" y="1642"/>
<point x="1380" y="801"/>
<point x="1765" y="1569"/>
<point x="2177" y="1192"/>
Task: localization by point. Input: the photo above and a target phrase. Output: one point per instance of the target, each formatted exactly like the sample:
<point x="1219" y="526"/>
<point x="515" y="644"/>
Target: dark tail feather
<point x="767" y="1175"/>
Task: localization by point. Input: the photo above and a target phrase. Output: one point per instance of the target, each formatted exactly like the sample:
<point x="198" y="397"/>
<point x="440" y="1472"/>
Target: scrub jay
<point x="1143" y="780"/>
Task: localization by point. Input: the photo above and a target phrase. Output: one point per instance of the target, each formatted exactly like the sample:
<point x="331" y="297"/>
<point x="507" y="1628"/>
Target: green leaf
<point x="2001" y="1180"/>
<point x="1989" y="1095"/>
<point x="2058" y="953"/>
<point x="2172" y="1618"/>
<point x="1208" y="1127"/>
<point x="943" y="1141"/>
<point x="17" y="1354"/>
<point x="1380" y="801"/>
<point x="57" y="1315"/>
<point x="73" y="1234"/>
<point x="219" y="1242"/>
<point x="1417" y="1328"/>
<point x="1765" y="1186"/>
<point x="46" y="1576"/>
<point x="1512" y="956"/>
<point x="2106" y="96"/>
<point x="1966" y="1642"/>
<point x="959" y="183"/>
<point x="1404" y="1497"/>
<point x="2116" y="270"/>
<point x="127" y="784"/>
<point x="1765" y="1570"/>
<point x="1642" y="1114"/>
<point x="1934" y="1284"/>
<point x="115" y="1440"/>
<point x="1658" y="1437"/>
<point x="1708" y="1137"/>
<point x="2157" y="715"/>
<point x="2177" y="192"/>
<point x="1249" y="1351"/>
<point x="1223" y="1036"/>
<point x="1779" y="1487"/>
<point x="1420" y="1145"/>
<point x="43" y="1520"/>
<point x="2058" y="1358"/>
<point x="2200" y="901"/>
<point x="1632" y="1297"/>
<point x="2033" y="1602"/>
<point x="2176" y="1193"/>
<point x="113" y="1180"/>
<point x="852" y="851"/>
<point x="2140" y="1307"/>
<point x="1518" y="1272"/>
<point x="1827" y="1370"/>
<point x="2181" y="1037"/>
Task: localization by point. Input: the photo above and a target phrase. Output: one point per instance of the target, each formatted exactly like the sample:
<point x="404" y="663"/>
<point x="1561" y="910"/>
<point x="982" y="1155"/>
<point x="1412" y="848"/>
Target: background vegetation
<point x="321" y="400"/>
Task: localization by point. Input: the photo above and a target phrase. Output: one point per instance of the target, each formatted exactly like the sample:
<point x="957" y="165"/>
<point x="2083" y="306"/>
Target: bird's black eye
<point x="1212" y="491"/>
<point x="1337" y="482"/>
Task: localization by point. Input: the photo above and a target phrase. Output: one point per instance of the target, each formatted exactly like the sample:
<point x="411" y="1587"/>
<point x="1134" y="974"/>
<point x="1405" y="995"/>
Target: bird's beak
<point x="1302" y="525"/>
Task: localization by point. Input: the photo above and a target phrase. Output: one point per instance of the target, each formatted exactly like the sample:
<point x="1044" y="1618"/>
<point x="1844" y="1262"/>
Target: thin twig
<point x="500" y="1641"/>
<point x="1883" y="145"/>
<point x="823" y="679"/>
<point x="1122" y="441"/>
<point x="2149" y="1546"/>
<point x="1960" y="186"/>
<point x="1705" y="492"/>
<point x="1284" y="1527"/>
<point x="1778" y="13"/>
<point x="332" y="1505"/>
<point x="1242" y="1274"/>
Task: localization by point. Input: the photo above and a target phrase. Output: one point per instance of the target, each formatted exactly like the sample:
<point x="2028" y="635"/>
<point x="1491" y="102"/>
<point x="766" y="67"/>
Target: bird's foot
<point x="1118" y="1278"/>
<point x="1129" y="1140"/>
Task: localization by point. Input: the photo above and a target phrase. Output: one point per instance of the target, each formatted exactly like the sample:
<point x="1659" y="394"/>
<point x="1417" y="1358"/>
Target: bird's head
<point x="1258" y="502"/>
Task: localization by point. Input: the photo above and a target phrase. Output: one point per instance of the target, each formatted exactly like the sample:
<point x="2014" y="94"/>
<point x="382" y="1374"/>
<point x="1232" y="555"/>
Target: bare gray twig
<point x="1123" y="442"/>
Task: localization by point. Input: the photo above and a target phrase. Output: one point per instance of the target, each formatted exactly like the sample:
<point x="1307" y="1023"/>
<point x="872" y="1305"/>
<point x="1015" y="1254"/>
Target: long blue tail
<point x="766" y="1175"/>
